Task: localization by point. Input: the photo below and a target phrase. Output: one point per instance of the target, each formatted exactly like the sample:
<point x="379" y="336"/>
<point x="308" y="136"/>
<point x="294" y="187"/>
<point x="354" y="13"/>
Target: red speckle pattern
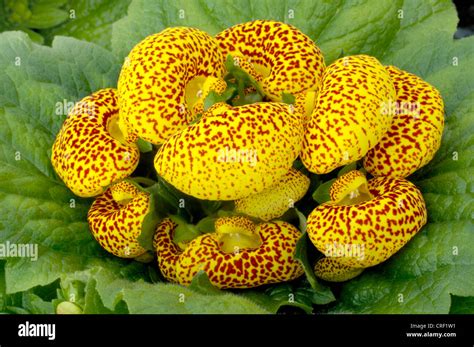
<point x="414" y="137"/>
<point x="344" y="184"/>
<point x="293" y="61"/>
<point x="116" y="226"/>
<point x="274" y="201"/>
<point x="382" y="225"/>
<point x="272" y="262"/>
<point x="154" y="77"/>
<point x="200" y="159"/>
<point x="348" y="118"/>
<point x="85" y="155"/>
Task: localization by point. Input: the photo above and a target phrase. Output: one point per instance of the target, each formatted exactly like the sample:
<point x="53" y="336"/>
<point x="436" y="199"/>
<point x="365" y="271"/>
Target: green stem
<point x="147" y="182"/>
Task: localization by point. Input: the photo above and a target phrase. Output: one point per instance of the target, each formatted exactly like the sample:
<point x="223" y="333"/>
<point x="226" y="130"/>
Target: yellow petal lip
<point x="348" y="117"/>
<point x="275" y="200"/>
<point x="162" y="83"/>
<point x="236" y="234"/>
<point x="350" y="189"/>
<point x="89" y="152"/>
<point x="415" y="134"/>
<point x="232" y="152"/>
<point x="116" y="217"/>
<point x="277" y="55"/>
<point x="367" y="233"/>
<point x="271" y="262"/>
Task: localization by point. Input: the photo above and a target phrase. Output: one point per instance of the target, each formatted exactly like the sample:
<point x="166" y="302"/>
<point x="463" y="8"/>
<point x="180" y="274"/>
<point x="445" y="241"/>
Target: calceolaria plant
<point x="172" y="93"/>
<point x="223" y="162"/>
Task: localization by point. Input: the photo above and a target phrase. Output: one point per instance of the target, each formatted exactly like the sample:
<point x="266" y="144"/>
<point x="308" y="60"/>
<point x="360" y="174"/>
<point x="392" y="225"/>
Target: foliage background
<point x="434" y="273"/>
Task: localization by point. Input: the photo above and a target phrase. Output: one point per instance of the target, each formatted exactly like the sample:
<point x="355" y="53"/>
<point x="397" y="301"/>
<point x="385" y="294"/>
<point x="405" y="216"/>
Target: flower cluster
<point x="226" y="118"/>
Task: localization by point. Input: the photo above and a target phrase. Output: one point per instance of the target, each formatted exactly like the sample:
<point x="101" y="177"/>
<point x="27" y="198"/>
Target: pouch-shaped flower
<point x="90" y="151"/>
<point x="365" y="222"/>
<point x="277" y="55"/>
<point x="415" y="134"/>
<point x="165" y="79"/>
<point x="348" y="117"/>
<point x="232" y="152"/>
<point x="119" y="216"/>
<point x="239" y="254"/>
<point x="275" y="200"/>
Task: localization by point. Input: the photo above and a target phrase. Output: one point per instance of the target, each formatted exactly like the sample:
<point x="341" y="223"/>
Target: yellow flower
<point x="415" y="134"/>
<point x="239" y="254"/>
<point x="232" y="152"/>
<point x="164" y="81"/>
<point x="364" y="224"/>
<point x="347" y="119"/>
<point x="90" y="151"/>
<point x="277" y="55"/>
<point x="116" y="219"/>
<point x="275" y="200"/>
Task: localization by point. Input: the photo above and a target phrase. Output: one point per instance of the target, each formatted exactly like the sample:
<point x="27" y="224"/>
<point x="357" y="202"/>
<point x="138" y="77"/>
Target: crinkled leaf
<point x="91" y="20"/>
<point x="37" y="208"/>
<point x="141" y="297"/>
<point x="270" y="302"/>
<point x="86" y="20"/>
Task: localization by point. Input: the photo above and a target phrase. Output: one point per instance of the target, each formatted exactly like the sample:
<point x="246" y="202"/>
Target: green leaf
<point x="214" y="98"/>
<point x="321" y="194"/>
<point x="37" y="208"/>
<point x="34" y="36"/>
<point x="347" y="168"/>
<point x="141" y="297"/>
<point x="462" y="305"/>
<point x="322" y="294"/>
<point x="206" y="225"/>
<point x="152" y="218"/>
<point x="184" y="232"/>
<point x="15" y="11"/>
<point x="202" y="285"/>
<point x="89" y="20"/>
<point x="288" y="98"/>
<point x="34" y="304"/>
<point x="45" y="16"/>
<point x="431" y="273"/>
<point x="144" y="146"/>
<point x="210" y="207"/>
<point x="86" y="20"/>
<point x="286" y="294"/>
